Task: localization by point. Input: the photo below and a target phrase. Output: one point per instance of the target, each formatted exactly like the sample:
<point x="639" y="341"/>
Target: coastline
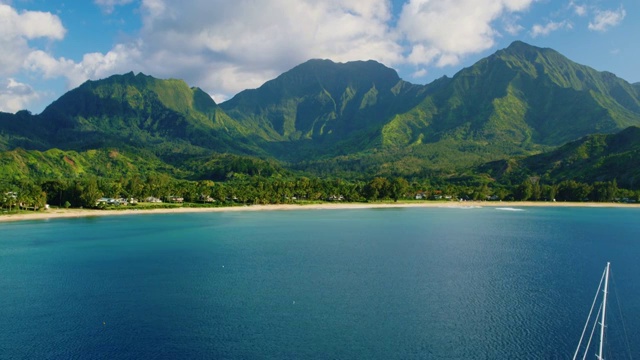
<point x="76" y="213"/>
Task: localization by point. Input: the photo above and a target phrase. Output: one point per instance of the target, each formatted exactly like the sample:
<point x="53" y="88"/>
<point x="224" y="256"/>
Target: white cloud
<point x="226" y="47"/>
<point x="29" y="24"/>
<point x="421" y="54"/>
<point x="109" y="5"/>
<point x="580" y="10"/>
<point x="511" y="25"/>
<point x="448" y="60"/>
<point x="455" y="27"/>
<point x="120" y="59"/>
<point x="419" y="73"/>
<point x="544" y="30"/>
<point x="607" y="19"/>
<point x="17" y="29"/>
<point x="15" y="96"/>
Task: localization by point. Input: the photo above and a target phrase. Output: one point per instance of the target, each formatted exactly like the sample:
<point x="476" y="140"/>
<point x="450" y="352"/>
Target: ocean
<point x="397" y="283"/>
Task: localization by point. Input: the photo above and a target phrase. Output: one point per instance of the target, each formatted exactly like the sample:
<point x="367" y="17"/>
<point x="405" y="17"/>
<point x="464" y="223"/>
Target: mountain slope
<point x="57" y="164"/>
<point x="335" y="106"/>
<point x="355" y="119"/>
<point x="139" y="109"/>
<point x="599" y="157"/>
<point x="519" y="101"/>
<point x="522" y="97"/>
<point x="22" y="129"/>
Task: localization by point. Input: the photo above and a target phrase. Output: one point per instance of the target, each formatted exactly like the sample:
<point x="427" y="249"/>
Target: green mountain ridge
<point x="524" y="96"/>
<point x="137" y="109"/>
<point x="321" y="107"/>
<point x="355" y="119"/>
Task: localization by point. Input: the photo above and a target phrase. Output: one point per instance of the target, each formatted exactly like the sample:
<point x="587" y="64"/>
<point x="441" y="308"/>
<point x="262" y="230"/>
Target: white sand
<point x="73" y="213"/>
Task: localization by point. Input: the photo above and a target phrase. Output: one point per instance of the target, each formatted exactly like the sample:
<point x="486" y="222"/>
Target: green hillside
<point x="59" y="164"/>
<point x="20" y="164"/>
<point x="354" y="120"/>
<point x="322" y="107"/>
<point x="140" y="110"/>
<point x="520" y="100"/>
<point x="325" y="117"/>
<point x="593" y="158"/>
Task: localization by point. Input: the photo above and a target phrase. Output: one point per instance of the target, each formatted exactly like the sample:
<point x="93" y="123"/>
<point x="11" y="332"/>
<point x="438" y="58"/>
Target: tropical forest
<point x="523" y="124"/>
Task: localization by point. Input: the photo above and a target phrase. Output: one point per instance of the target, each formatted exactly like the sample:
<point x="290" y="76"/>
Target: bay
<point x="407" y="283"/>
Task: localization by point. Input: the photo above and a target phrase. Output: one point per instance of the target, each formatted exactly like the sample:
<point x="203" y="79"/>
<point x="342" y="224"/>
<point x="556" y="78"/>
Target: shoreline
<point x="77" y="213"/>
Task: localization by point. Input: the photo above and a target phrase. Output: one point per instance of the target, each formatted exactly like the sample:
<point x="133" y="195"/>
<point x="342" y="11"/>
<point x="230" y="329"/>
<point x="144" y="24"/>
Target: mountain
<point x="139" y="109"/>
<point x="592" y="158"/>
<point x="355" y="119"/>
<point x="519" y="100"/>
<point x="323" y="107"/>
<point x="22" y="129"/>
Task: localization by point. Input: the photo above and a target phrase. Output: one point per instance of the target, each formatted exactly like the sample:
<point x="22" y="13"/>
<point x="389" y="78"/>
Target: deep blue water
<point x="406" y="283"/>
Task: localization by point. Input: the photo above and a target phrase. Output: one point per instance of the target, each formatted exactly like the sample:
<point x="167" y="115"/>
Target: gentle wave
<point x="509" y="209"/>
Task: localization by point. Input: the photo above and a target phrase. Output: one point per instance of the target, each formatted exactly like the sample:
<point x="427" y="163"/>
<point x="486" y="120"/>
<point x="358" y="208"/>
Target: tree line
<point x="245" y="189"/>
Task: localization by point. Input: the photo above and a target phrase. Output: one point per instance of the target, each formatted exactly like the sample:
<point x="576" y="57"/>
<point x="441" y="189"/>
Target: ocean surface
<point x="402" y="283"/>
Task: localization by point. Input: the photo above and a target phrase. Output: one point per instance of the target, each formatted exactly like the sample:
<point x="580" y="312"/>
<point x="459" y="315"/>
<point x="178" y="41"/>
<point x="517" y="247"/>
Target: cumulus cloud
<point x="250" y="39"/>
<point x="226" y="46"/>
<point x="15" y="96"/>
<point x="455" y="28"/>
<point x="605" y="19"/>
<point x="120" y="59"/>
<point x="421" y="54"/>
<point x="17" y="29"/>
<point x="544" y="30"/>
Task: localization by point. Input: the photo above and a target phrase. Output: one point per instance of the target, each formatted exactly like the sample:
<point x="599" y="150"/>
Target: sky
<point x="50" y="47"/>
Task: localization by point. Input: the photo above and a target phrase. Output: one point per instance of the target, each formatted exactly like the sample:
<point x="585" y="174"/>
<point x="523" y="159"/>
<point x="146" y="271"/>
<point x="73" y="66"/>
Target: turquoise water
<point x="410" y="283"/>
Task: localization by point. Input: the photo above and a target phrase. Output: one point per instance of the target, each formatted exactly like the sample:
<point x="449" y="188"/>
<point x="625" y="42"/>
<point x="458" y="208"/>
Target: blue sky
<point x="225" y="46"/>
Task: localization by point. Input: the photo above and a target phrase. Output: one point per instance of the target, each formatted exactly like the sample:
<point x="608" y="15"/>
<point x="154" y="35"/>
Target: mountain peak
<point x="132" y="92"/>
<point x="316" y="75"/>
<point x="520" y="45"/>
<point x="329" y="74"/>
<point x="526" y="51"/>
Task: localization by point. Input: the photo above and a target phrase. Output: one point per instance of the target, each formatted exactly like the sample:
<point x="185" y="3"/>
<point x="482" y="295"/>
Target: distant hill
<point x="593" y="158"/>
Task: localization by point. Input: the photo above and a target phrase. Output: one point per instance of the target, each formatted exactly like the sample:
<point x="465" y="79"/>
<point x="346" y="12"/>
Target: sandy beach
<point x="74" y="213"/>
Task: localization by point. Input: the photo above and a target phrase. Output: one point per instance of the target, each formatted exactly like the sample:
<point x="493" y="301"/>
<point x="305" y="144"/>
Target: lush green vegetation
<point x="495" y="130"/>
<point x="148" y="191"/>
<point x="592" y="159"/>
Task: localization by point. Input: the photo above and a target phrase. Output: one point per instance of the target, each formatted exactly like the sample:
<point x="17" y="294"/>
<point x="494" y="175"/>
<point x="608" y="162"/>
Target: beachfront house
<point x="112" y="201"/>
<point x="175" y="199"/>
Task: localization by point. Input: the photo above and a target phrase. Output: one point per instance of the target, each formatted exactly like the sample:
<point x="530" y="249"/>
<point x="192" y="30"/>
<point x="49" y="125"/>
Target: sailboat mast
<point x="604" y="310"/>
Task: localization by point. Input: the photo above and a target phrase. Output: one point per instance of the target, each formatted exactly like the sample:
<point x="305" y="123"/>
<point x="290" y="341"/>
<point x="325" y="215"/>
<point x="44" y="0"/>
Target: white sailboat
<point x="602" y="313"/>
